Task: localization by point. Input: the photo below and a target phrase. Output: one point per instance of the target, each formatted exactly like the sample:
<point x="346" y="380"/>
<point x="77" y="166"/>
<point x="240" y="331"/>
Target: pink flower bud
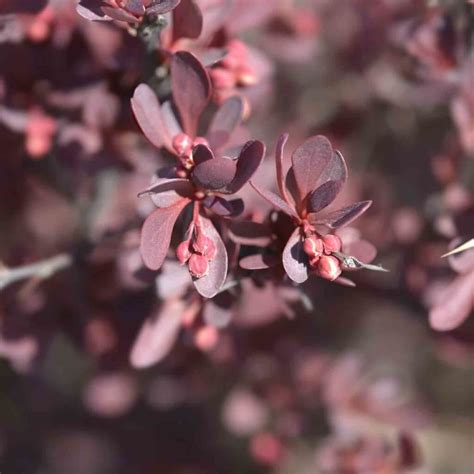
<point x="200" y="141"/>
<point x="183" y="253"/>
<point x="206" y="338"/>
<point x="237" y="48"/>
<point x="182" y="144"/>
<point x="332" y="243"/>
<point x="312" y="246"/>
<point x="329" y="267"/>
<point x="246" y="76"/>
<point x="198" y="265"/>
<point x="222" y="78"/>
<point x="205" y="246"/>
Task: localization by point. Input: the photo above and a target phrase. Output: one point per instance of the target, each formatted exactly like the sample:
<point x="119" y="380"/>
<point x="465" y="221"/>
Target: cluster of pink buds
<point x="233" y="71"/>
<point x="319" y="250"/>
<point x="197" y="252"/>
<point x="183" y="145"/>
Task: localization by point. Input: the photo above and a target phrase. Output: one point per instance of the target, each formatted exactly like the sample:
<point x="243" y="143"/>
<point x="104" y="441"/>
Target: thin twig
<point x="41" y="270"/>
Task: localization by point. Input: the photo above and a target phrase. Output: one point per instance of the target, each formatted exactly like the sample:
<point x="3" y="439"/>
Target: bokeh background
<point x="343" y="380"/>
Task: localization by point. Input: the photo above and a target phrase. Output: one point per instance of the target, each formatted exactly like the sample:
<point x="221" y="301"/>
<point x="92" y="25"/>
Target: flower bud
<point x="312" y="246"/>
<point x="183" y="253"/>
<point x="205" y="246"/>
<point x="246" y="76"/>
<point x="206" y="338"/>
<point x="237" y="48"/>
<point x="329" y="267"/>
<point x="198" y="265"/>
<point x="182" y="144"/>
<point x="332" y="243"/>
<point x="222" y="78"/>
<point x="200" y="141"/>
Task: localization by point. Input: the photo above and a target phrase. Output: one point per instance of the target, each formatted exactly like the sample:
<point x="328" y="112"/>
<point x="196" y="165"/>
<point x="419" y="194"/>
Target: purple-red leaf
<point x="191" y="89"/>
<point x="258" y="262"/>
<point x="170" y="120"/>
<point x="309" y="162"/>
<point x="209" y="285"/>
<point x="90" y="10"/>
<point x="225" y="121"/>
<point x="163" y="6"/>
<point x="250" y="233"/>
<point x="294" y="259"/>
<point x="224" y="208"/>
<point x="166" y="192"/>
<point x="202" y="153"/>
<point x="279" y="166"/>
<point x="147" y="111"/>
<point x="119" y="14"/>
<point x="187" y="20"/>
<point x="275" y="200"/>
<point x="249" y="160"/>
<point x="341" y="217"/>
<point x="336" y="170"/>
<point x="156" y="234"/>
<point x="321" y="197"/>
<point x="214" y="174"/>
<point x="157" y="335"/>
<point x="136" y="7"/>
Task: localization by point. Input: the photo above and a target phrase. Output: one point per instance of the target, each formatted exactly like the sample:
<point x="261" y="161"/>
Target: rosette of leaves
<point x="312" y="182"/>
<point x="205" y="176"/>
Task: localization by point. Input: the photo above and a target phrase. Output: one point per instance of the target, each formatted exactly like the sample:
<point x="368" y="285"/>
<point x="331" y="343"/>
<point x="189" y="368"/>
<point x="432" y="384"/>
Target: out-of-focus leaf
<point x="361" y="249"/>
<point x="209" y="285"/>
<point x="321" y="197"/>
<point x="8" y="7"/>
<point x="409" y="452"/>
<point x="295" y="261"/>
<point x="156" y="234"/>
<point x="309" y="162"/>
<point x="216" y="315"/>
<point x="250" y="158"/>
<point x="157" y="335"/>
<point x="147" y="111"/>
<point x="250" y="233"/>
<point x="340" y="217"/>
<point x="191" y="89"/>
<point x="456" y="305"/>
<point x="225" y="121"/>
<point x="214" y="174"/>
<point x="187" y="20"/>
<point x="274" y="200"/>
<point x="258" y="262"/>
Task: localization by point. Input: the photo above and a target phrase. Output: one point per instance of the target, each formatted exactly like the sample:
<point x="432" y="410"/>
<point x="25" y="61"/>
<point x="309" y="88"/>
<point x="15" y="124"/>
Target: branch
<point x="41" y="270"/>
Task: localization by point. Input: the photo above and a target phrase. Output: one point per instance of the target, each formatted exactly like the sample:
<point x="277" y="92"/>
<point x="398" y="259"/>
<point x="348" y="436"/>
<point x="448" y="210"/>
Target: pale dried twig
<point x="41" y="270"/>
